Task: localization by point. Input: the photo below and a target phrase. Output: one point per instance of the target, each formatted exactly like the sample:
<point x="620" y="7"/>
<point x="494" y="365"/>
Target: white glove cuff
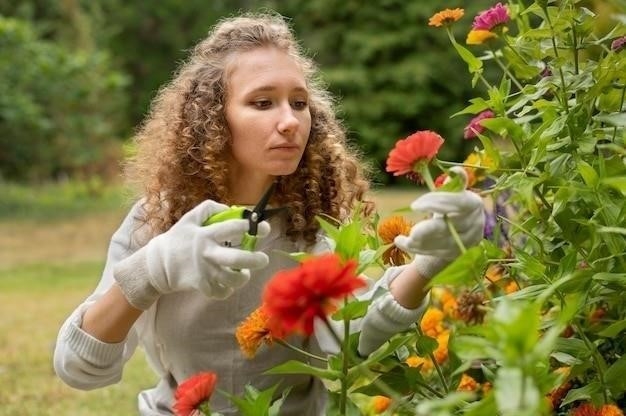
<point x="133" y="278"/>
<point x="429" y="266"/>
<point x="385" y="318"/>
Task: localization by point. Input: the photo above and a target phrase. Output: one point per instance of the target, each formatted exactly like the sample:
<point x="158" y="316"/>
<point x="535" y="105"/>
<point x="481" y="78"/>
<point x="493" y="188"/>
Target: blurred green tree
<point x="58" y="107"/>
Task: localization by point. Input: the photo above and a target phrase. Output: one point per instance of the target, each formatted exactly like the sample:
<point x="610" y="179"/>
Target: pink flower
<point x="618" y="44"/>
<point x="474" y="127"/>
<point x="490" y="18"/>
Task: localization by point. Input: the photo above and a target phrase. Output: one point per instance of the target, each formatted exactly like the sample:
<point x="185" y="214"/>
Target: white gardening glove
<point x="190" y="256"/>
<point x="431" y="240"/>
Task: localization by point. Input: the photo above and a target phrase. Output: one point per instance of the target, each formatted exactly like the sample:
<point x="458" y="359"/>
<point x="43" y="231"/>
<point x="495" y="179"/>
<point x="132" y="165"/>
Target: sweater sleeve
<point x="80" y="360"/>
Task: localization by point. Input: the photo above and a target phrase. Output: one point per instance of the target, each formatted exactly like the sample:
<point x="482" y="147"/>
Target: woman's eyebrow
<point x="264" y="88"/>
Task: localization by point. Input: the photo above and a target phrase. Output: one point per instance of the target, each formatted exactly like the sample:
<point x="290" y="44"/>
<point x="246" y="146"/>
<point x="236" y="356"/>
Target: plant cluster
<point x="531" y="321"/>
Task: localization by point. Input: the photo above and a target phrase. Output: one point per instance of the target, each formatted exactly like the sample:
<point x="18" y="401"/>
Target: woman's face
<point x="267" y="110"/>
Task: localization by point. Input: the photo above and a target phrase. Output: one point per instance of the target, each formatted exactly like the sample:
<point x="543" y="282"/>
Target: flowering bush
<point x="531" y="321"/>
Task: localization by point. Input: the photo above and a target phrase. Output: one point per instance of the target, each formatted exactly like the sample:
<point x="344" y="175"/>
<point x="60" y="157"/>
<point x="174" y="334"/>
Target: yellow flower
<point x="445" y="17"/>
<point x="380" y="404"/>
<point x="252" y="332"/>
<point x="478" y="164"/>
<point x="467" y="383"/>
<point x="415" y="361"/>
<point x="432" y="322"/>
<point x="388" y="230"/>
<point x="477" y="37"/>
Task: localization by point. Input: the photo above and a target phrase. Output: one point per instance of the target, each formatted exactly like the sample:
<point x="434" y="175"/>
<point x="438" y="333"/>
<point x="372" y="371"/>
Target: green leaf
<point x="614" y="119"/>
<point x="614" y="376"/>
<point x="297" y="367"/>
<point x="425" y="345"/>
<point x="353" y="310"/>
<point x="615" y="280"/>
<point x="515" y="392"/>
<point x="617" y="182"/>
<point x="614" y="329"/>
<point x="255" y="402"/>
<point x="466" y="268"/>
<point x="583" y="393"/>
<point x="474" y="64"/>
<point x="588" y="173"/>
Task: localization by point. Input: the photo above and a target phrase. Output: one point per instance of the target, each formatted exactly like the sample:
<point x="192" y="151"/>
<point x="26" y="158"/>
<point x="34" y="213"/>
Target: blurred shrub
<point x="59" y="108"/>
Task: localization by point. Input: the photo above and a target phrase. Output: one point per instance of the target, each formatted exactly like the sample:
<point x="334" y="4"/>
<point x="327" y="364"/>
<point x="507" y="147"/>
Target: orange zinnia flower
<point x="478" y="37"/>
<point x="388" y="230"/>
<point x="441" y="352"/>
<point x="467" y="383"/>
<point x="415" y="361"/>
<point x="420" y="147"/>
<point x="194" y="392"/>
<point x="293" y="298"/>
<point x="255" y="330"/>
<point x="380" y="403"/>
<point x="610" y="410"/>
<point x="432" y="322"/>
<point x="445" y="17"/>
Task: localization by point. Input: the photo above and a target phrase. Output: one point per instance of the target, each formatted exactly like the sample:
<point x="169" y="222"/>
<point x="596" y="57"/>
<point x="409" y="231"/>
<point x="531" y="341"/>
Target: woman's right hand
<point x="192" y="256"/>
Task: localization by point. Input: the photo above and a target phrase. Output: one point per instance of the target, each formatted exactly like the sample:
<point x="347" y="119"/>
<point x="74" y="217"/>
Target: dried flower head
<point x="474" y="128"/>
<point x="471" y="307"/>
<point x="446" y="17"/>
<point x="254" y="330"/>
<point x="193" y="393"/>
<point x="419" y="148"/>
<point x="294" y="298"/>
<point x="618" y="44"/>
<point x="478" y="37"/>
<point x="491" y="18"/>
<point x="388" y="230"/>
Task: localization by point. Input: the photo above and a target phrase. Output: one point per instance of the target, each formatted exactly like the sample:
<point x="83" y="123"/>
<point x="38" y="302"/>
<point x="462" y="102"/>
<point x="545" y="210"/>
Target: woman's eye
<point x="300" y="104"/>
<point x="262" y="103"/>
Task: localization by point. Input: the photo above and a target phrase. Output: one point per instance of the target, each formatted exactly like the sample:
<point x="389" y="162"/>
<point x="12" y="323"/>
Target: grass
<point x="48" y="264"/>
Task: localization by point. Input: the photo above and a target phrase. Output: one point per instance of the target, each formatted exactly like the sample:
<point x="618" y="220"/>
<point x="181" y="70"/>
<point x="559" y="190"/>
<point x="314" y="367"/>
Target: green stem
<point x="506" y="70"/>
<point x="343" y="395"/>
<point x="444" y="383"/>
<point x="299" y="350"/>
<point x="621" y="104"/>
<point x="556" y="55"/>
<point x="596" y="360"/>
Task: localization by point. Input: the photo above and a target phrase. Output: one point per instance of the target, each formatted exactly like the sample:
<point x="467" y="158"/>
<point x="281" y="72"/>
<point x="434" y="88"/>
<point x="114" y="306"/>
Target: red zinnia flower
<point x="420" y="147"/>
<point x="293" y="298"/>
<point x="474" y="127"/>
<point x="490" y="18"/>
<point x="193" y="392"/>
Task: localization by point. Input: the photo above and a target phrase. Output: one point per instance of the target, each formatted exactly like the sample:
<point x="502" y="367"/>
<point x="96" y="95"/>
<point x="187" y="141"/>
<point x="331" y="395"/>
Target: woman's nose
<point x="288" y="122"/>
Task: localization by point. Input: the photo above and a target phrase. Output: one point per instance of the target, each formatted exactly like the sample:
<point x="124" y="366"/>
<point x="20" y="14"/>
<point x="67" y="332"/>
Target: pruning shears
<point x="254" y="217"/>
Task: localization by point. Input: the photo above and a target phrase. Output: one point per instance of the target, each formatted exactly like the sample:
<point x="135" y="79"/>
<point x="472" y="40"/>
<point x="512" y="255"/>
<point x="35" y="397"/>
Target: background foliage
<point x="77" y="76"/>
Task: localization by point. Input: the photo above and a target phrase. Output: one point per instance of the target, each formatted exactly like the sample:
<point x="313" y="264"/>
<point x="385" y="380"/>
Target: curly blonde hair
<point x="179" y="147"/>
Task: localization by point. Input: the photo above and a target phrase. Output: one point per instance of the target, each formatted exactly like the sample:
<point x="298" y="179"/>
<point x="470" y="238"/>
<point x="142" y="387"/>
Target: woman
<point x="244" y="111"/>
